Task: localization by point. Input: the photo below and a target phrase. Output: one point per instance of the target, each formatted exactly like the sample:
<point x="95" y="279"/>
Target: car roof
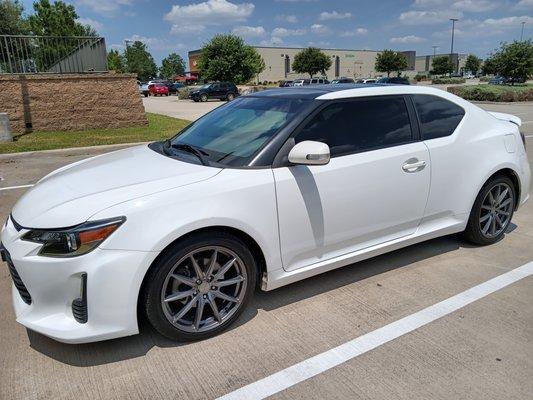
<point x="347" y="90"/>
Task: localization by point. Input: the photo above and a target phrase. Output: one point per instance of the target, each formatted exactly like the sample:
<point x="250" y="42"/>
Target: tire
<point x="146" y="95"/>
<point x="156" y="296"/>
<point x="481" y="229"/>
<point x="195" y="100"/>
<point x="203" y="98"/>
<point x="230" y="97"/>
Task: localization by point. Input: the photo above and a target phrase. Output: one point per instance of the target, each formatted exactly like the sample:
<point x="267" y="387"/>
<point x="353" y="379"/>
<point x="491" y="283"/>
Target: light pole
<point x="435" y="50"/>
<point x="453" y="32"/>
<point x="522" y="32"/>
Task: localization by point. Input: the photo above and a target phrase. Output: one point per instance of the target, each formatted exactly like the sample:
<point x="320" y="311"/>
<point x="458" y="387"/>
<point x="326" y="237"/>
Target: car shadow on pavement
<point x="110" y="351"/>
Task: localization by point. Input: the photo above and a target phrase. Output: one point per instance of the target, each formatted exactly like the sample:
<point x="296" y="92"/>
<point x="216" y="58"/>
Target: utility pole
<point x="435" y="50"/>
<point x="522" y="32"/>
<point x="454" y="20"/>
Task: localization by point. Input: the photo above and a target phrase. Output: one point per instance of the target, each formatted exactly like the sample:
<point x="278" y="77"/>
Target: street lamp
<point x="522" y="32"/>
<point x="435" y="50"/>
<point x="454" y="20"/>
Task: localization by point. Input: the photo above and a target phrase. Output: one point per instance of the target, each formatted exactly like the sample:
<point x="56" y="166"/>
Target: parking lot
<point x="482" y="350"/>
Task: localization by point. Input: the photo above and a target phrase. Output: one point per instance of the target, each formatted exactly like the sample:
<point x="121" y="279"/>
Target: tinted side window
<point x="438" y="117"/>
<point x="359" y="125"/>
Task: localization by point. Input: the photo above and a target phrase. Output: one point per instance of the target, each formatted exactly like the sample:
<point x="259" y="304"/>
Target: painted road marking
<point x="306" y="369"/>
<point x="15" y="187"/>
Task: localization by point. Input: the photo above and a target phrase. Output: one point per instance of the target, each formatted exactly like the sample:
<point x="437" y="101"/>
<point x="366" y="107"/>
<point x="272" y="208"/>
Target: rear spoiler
<point x="506" y="117"/>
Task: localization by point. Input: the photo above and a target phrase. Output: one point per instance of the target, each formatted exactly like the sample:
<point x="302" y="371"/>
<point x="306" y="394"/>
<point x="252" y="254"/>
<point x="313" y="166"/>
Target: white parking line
<point x="322" y="362"/>
<point x="15" y="187"/>
<point x="529" y="136"/>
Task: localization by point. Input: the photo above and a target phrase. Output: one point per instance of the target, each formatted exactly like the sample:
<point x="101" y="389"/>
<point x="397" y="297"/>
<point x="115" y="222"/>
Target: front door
<point x="373" y="190"/>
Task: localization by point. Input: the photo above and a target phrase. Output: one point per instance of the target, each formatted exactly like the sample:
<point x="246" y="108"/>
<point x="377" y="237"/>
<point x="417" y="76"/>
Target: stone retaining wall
<point x="49" y="102"/>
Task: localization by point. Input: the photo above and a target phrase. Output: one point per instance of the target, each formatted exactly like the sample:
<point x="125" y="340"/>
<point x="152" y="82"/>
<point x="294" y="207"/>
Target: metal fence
<point x="22" y="54"/>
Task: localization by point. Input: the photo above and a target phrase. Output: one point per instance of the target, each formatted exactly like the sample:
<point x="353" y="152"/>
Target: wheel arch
<point x="513" y="176"/>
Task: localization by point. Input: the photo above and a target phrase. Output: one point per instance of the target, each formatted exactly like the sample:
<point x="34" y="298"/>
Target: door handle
<point x="413" y="165"/>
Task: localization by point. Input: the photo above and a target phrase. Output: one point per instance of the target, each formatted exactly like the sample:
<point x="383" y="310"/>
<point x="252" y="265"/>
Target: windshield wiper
<point x="193" y="150"/>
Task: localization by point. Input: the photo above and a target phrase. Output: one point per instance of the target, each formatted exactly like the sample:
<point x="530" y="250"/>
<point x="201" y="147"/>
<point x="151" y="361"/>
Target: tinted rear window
<point x="438" y="117"/>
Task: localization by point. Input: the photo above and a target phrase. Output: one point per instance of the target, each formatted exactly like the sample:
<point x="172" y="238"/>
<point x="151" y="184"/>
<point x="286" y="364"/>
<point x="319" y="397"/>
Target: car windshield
<point x="205" y="86"/>
<point x="232" y="134"/>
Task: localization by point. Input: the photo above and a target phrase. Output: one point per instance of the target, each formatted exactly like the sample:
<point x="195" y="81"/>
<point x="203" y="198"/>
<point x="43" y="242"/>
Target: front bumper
<point x="113" y="281"/>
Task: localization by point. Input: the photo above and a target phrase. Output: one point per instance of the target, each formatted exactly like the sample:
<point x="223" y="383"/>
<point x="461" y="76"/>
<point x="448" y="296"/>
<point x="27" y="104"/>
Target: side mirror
<point x="309" y="152"/>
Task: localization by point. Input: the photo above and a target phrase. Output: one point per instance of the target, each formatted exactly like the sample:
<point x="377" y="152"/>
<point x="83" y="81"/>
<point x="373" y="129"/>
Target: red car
<point x="158" y="89"/>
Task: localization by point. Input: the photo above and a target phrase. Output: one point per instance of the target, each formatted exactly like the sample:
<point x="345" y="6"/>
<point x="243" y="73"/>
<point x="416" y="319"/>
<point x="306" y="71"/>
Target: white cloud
<point x="326" y="16"/>
<point x="474" y="5"/>
<point x="273" y="41"/>
<point x="319" y="29"/>
<point x="407" y="39"/>
<point x="210" y="12"/>
<point x="104" y="7"/>
<point x="155" y="43"/>
<point x="356" y="32"/>
<point x="249" y="31"/>
<point x="283" y="32"/>
<point x="98" y="26"/>
<point x="524" y="4"/>
<point x="507" y="21"/>
<point x="291" y="19"/>
<point x="428" y="17"/>
<point x="179" y="29"/>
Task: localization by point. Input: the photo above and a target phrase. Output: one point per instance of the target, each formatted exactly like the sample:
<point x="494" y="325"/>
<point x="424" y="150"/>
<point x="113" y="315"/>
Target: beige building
<point x="346" y="63"/>
<point x="423" y="64"/>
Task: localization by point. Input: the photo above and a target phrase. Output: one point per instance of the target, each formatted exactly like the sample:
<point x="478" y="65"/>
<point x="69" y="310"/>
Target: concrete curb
<point x="22" y="154"/>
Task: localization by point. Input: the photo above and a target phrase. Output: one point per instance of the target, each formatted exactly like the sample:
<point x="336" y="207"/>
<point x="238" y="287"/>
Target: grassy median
<point x="159" y="127"/>
<point x="486" y="92"/>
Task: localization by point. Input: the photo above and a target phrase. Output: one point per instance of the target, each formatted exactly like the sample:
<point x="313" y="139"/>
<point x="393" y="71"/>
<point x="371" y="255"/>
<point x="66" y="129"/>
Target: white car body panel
<point x="305" y="219"/>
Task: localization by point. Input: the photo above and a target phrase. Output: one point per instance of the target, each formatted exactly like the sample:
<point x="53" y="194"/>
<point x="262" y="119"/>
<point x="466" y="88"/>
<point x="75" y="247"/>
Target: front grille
<point x="26" y="297"/>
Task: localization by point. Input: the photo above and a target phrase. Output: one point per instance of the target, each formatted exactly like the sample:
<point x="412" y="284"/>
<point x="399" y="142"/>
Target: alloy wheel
<point x="204" y="289"/>
<point x="496" y="210"/>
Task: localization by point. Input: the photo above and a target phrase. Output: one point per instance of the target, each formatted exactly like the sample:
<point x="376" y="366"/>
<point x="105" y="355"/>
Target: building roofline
<point x="302" y="48"/>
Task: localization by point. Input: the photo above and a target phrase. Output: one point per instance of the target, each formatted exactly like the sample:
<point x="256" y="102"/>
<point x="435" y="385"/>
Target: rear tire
<point x="203" y="98"/>
<point x="230" y="96"/>
<point x="199" y="287"/>
<point x="492" y="211"/>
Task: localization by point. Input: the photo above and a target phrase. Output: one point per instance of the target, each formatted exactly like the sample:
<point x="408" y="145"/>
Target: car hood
<point x="72" y="194"/>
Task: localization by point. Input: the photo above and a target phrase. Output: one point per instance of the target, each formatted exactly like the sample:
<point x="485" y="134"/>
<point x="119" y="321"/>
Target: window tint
<point x="438" y="117"/>
<point x="359" y="125"/>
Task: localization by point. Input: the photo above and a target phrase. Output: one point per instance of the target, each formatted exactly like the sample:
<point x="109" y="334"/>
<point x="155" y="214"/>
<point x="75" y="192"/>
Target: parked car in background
<point x="396" y="80"/>
<point x="367" y="80"/>
<point x="285" y="83"/>
<point x="319" y="81"/>
<point x="216" y="90"/>
<point x="143" y="89"/>
<point x="272" y="188"/>
<point x="498" y="80"/>
<point x="158" y="89"/>
<point x="174" y="87"/>
<point x="342" y="80"/>
<point x="301" y="82"/>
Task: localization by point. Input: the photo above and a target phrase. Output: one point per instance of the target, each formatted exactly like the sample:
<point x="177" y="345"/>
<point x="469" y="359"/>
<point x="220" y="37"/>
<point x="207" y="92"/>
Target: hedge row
<point x="447" y="81"/>
<point x="486" y="93"/>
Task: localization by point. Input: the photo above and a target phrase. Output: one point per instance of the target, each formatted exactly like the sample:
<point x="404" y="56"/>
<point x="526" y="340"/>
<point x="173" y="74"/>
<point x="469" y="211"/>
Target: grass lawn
<point x="486" y="92"/>
<point x="159" y="127"/>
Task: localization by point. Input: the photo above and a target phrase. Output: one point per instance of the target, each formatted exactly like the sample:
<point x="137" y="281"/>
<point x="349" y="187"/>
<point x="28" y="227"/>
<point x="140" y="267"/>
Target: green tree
<point x="227" y="58"/>
<point x="442" y="65"/>
<point x="115" y="61"/>
<point x="11" y="19"/>
<point x="489" y="66"/>
<point x="139" y="61"/>
<point x="171" y="66"/>
<point x="515" y="60"/>
<point x="389" y="61"/>
<point x="57" y="19"/>
<point x="311" y="61"/>
<point x="472" y="63"/>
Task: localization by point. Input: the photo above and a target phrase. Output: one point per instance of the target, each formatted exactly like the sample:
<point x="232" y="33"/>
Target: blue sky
<point x="183" y="25"/>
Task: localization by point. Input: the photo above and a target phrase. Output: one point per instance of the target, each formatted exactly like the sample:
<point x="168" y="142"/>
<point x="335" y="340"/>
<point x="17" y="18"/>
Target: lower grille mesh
<point x="23" y="291"/>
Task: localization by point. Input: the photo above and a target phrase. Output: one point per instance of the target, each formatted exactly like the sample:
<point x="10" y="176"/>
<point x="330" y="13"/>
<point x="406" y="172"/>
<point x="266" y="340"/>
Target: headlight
<point x="74" y="241"/>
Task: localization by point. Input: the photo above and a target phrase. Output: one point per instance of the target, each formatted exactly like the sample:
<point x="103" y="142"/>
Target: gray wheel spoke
<point x="498" y="220"/>
<point x="491" y="198"/>
<point x="197" y="270"/>
<point x="183" y="279"/>
<point x="502" y="195"/>
<point x="493" y="226"/>
<point x="504" y="213"/>
<point x="485" y="229"/>
<point x="224" y="296"/>
<point x="185" y="309"/>
<point x="212" y="263"/>
<point x="179" y="295"/>
<point x="484" y="207"/>
<point x="231" y="281"/>
<point x="199" y="312"/>
<point x="213" y="305"/>
<point x="484" y="218"/>
<point x="220" y="273"/>
<point x="505" y="203"/>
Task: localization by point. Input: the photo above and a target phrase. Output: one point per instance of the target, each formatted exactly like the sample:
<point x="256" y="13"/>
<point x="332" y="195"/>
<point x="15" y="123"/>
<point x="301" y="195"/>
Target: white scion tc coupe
<point x="266" y="190"/>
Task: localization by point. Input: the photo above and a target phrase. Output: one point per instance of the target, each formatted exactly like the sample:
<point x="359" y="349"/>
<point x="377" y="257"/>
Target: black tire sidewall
<point x="156" y="277"/>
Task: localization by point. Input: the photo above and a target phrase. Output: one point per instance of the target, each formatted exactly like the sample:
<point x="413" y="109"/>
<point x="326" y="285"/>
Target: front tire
<point x="492" y="211"/>
<point x="230" y="97"/>
<point x="200" y="286"/>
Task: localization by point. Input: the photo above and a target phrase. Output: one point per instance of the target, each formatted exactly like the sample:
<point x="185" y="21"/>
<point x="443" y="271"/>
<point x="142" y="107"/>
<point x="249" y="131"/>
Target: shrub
<point x="447" y="81"/>
<point x="484" y="79"/>
<point x="183" y="93"/>
<point x="420" y="77"/>
<point x="489" y="93"/>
